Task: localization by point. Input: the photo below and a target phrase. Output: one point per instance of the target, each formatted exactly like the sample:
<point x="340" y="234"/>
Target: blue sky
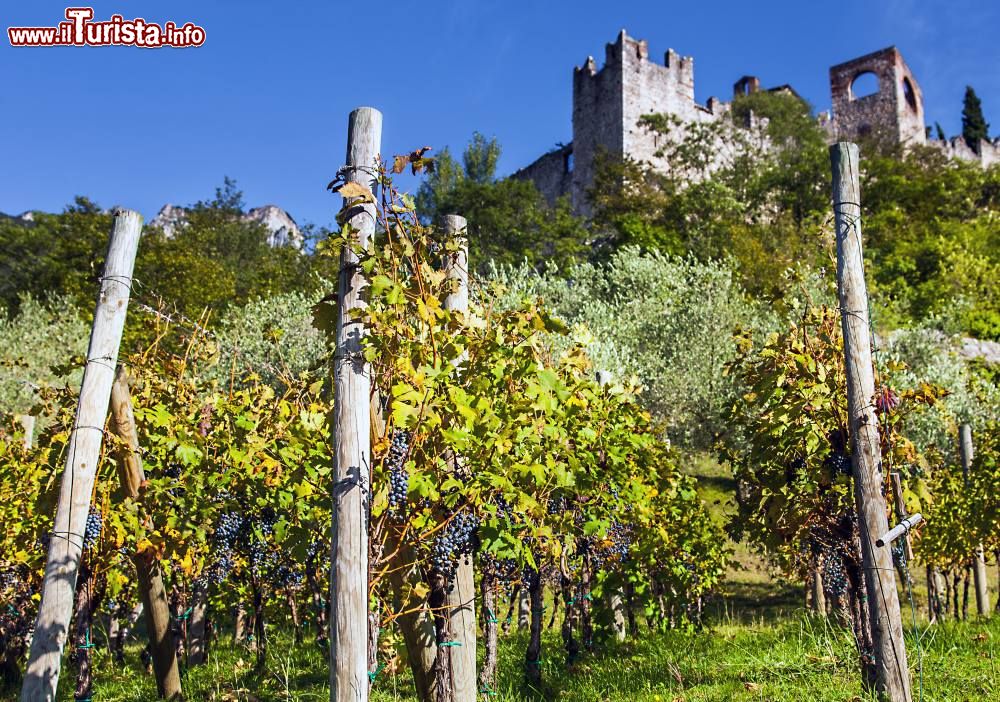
<point x="266" y="99"/>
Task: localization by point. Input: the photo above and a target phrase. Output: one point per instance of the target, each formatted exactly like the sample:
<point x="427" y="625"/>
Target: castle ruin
<point x="608" y="103"/>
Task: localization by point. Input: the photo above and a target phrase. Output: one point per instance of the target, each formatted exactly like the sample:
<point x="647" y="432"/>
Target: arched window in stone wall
<point x="864" y="84"/>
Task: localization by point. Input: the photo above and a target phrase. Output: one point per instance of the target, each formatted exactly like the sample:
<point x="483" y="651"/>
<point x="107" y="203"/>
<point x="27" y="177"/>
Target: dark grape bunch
<point x="455" y="542"/>
<point x="505" y="572"/>
<point x="93" y="531"/>
<point x="288" y="577"/>
<point x="229" y="533"/>
<point x="834" y="575"/>
<point x="8" y="579"/>
<point x="838" y="463"/>
<point x="399" y="478"/>
<point x="620" y="536"/>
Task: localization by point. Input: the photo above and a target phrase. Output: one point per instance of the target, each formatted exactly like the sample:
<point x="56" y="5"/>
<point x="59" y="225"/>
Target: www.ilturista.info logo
<point x="80" y="30"/>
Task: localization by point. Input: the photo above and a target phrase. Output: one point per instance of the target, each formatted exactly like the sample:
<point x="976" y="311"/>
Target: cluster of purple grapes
<point x="557" y="505"/>
<point x="455" y="542"/>
<point x="93" y="531"/>
<point x="620" y="536"/>
<point x="288" y="577"/>
<point x="503" y="571"/>
<point x="505" y="510"/>
<point x="261" y="553"/>
<point x="838" y="463"/>
<point x="399" y="478"/>
<point x="834" y="574"/>
<point x="8" y="579"/>
<point x="229" y="533"/>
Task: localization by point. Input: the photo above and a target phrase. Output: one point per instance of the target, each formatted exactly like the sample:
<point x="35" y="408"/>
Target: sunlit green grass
<point x="795" y="658"/>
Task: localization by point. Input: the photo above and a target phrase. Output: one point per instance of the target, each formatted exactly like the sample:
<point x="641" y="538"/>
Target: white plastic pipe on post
<point x="83" y="451"/>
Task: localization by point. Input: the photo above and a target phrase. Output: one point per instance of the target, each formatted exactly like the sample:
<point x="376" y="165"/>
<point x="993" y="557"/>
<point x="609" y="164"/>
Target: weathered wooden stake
<point x="351" y="440"/>
<point x="28" y="427"/>
<point x="197" y="645"/>
<point x="978" y="558"/>
<point x="892" y="674"/>
<point x="461" y="600"/>
<point x="149" y="580"/>
<point x="66" y="540"/>
<point x="523" y="607"/>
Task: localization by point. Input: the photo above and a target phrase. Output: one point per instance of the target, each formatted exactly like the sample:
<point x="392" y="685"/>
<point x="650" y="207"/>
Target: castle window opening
<point x="568" y="162"/>
<point x="911" y="98"/>
<point x="863" y="85"/>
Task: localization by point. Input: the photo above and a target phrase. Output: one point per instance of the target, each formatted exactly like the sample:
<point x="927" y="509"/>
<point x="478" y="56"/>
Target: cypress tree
<point x="974" y="125"/>
<point x="940" y="132"/>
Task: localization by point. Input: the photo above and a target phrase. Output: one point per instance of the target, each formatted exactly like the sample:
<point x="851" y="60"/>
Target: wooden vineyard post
<point x="978" y="559"/>
<point x="149" y="580"/>
<point x="892" y="676"/>
<point x="27" y="422"/>
<point x="461" y="599"/>
<point x="83" y="451"/>
<point x="617" y="596"/>
<point x="523" y="608"/>
<point x="351" y="437"/>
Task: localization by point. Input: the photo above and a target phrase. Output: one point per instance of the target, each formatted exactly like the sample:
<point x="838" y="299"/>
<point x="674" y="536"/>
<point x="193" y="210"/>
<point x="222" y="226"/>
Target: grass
<point x="793" y="658"/>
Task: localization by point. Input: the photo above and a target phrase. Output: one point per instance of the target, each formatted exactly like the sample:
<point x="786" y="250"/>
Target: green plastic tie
<point x="185" y="615"/>
<point x="88" y="644"/>
<point x="487" y="691"/>
<point x="374" y="674"/>
<point x="490" y="617"/>
<point x="538" y="662"/>
<point x="450" y="643"/>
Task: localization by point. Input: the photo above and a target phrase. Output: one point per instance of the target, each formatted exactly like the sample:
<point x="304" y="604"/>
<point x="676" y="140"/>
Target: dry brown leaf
<point x="352" y="189"/>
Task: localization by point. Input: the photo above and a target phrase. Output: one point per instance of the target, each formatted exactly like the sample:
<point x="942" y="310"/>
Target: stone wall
<point x="552" y="173"/>
<point x="989" y="151"/>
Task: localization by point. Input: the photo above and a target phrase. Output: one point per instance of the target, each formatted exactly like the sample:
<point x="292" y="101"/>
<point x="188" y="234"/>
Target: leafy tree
<point x="61" y="253"/>
<point x="750" y="187"/>
<point x="212" y="260"/>
<point x="974" y="125"/>
<point x="38" y="348"/>
<point x="666" y="320"/>
<point x="480" y="159"/>
<point x="509" y="220"/>
<point x="215" y="258"/>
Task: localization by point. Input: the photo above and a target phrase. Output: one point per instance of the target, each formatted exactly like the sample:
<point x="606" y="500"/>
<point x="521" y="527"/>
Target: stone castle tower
<point x="895" y="111"/>
<point x="608" y="102"/>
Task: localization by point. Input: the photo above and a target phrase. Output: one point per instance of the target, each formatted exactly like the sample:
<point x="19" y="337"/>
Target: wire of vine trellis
<point x="852" y="223"/>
